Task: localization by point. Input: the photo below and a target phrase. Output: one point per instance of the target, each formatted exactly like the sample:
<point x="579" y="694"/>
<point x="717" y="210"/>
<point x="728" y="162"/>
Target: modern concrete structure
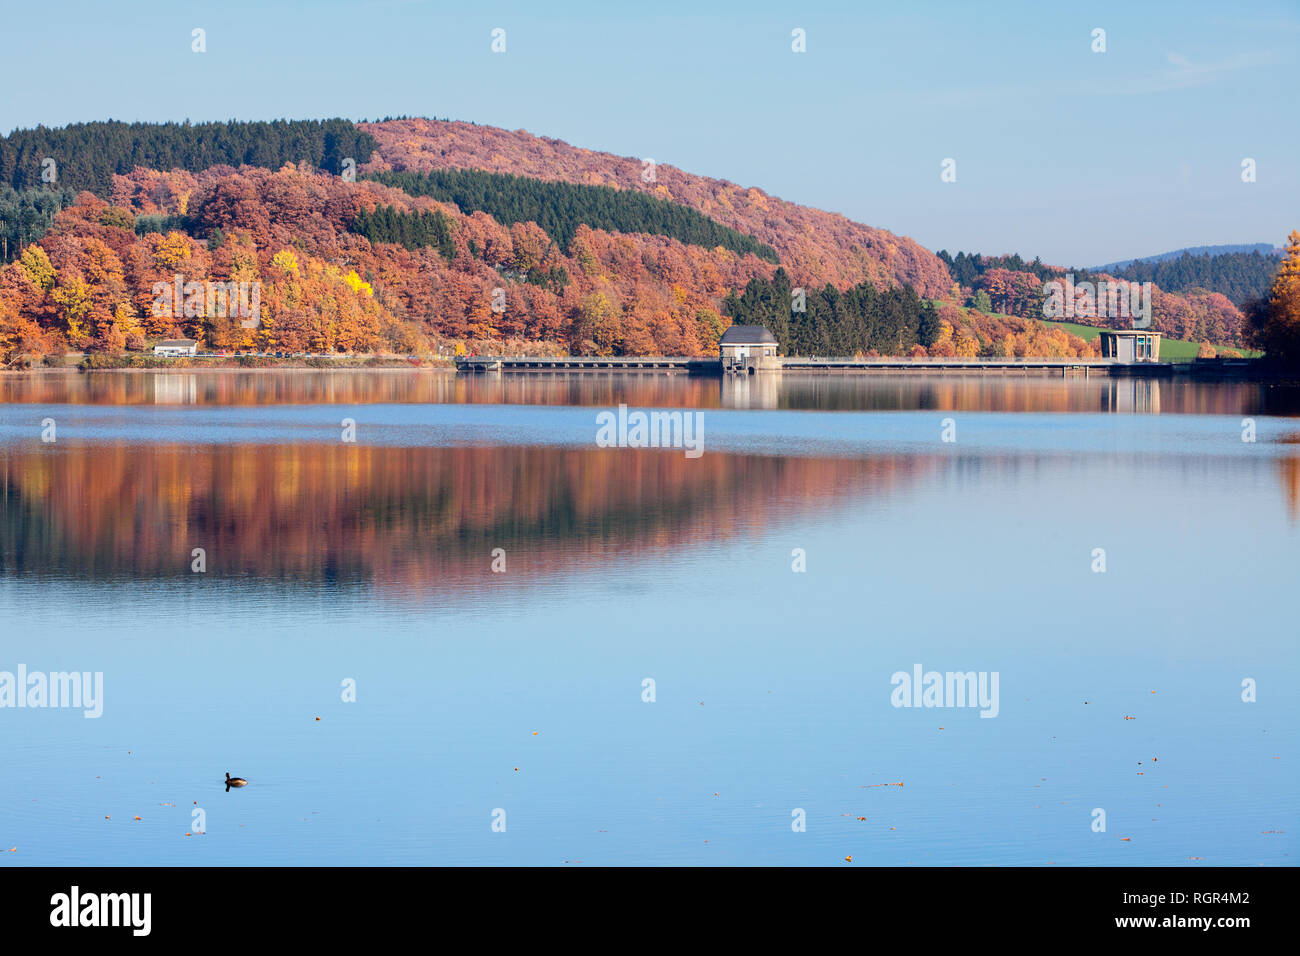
<point x="1130" y="345"/>
<point x="746" y="349"/>
<point x="176" y="347"/>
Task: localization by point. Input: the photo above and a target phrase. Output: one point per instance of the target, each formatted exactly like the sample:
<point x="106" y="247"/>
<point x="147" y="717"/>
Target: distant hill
<point x="1263" y="248"/>
<point x="1194" y="298"/>
<point x="1242" y="275"/>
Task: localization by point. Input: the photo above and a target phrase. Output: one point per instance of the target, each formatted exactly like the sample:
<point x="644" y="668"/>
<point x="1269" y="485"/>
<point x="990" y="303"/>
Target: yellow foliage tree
<point x="171" y="251"/>
<point x="944" y="337"/>
<point x="358" y="284"/>
<point x="967" y="345"/>
<point x="37" y="267"/>
<point x="124" y="318"/>
<point x="74" y="302"/>
<point x="1275" y="324"/>
<point x="598" y="322"/>
<point x="286" y="261"/>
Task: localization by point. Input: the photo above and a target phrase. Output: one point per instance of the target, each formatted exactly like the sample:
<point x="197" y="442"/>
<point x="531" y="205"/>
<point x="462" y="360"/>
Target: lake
<point x="908" y="620"/>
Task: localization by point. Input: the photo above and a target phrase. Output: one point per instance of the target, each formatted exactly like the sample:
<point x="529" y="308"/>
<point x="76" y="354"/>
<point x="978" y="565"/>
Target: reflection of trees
<point x="800" y="391"/>
<point x="1289" y="471"/>
<point x="389" y="386"/>
<point x="418" y="517"/>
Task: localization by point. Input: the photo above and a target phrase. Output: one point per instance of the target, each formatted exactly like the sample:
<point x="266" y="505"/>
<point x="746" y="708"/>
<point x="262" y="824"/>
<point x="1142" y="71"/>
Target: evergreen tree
<point x="560" y="208"/>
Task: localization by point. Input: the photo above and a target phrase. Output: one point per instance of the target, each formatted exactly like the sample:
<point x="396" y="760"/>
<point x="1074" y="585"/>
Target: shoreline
<point x="172" y="370"/>
<point x="1204" y="370"/>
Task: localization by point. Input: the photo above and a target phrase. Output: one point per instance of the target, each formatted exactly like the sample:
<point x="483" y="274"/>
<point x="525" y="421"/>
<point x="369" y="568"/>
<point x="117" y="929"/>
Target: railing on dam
<point x="704" y="366"/>
<point x="585" y="363"/>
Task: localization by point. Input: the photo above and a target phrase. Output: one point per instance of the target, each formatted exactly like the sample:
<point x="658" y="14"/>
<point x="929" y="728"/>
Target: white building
<point x="176" y="347"/>
<point x="748" y="348"/>
<point x="1130" y="345"/>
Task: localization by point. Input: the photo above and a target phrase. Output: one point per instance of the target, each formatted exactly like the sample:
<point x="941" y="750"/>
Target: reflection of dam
<point x="749" y="391"/>
<point x="175" y="389"/>
<point x="1138" y="395"/>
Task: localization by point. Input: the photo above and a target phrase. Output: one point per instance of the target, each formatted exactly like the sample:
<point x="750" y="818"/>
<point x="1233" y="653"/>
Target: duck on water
<point x="234" y="781"/>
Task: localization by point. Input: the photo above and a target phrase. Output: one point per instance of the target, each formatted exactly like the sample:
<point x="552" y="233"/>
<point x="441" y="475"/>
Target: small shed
<point x="1130" y="345"/>
<point x="176" y="347"/>
<point x="747" y="349"/>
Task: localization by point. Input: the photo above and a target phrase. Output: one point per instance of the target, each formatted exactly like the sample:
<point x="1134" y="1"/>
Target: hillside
<point x="1240" y="276"/>
<point x="459" y="238"/>
<point x="1010" y="285"/>
<point x="815" y="247"/>
<point x="93" y="281"/>
<point x="561" y="208"/>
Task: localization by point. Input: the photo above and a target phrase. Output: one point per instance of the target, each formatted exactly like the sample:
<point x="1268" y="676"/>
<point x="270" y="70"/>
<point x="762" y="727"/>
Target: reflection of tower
<point x="1135" y="395"/>
<point x="175" y="389"/>
<point x="749" y="391"/>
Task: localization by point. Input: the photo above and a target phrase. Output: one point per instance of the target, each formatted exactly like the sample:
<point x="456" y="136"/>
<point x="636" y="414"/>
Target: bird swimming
<point x="235" y="781"/>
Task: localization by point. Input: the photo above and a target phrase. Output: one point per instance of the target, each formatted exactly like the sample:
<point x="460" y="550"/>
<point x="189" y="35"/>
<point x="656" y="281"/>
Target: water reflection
<point x="420" y="519"/>
<point x="371" y="562"/>
<point x="792" y="391"/>
<point x="399" y="518"/>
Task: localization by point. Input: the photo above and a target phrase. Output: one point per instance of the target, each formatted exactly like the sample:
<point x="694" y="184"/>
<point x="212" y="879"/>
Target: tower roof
<point x="747" y="335"/>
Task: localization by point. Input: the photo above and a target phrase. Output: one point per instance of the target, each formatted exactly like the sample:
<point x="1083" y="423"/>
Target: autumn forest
<point x="425" y="238"/>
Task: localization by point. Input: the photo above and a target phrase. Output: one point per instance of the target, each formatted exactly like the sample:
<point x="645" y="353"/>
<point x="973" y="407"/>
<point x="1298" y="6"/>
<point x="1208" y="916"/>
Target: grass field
<point x="1171" y="350"/>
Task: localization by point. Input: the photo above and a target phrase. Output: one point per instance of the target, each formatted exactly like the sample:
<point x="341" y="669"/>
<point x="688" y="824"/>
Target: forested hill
<point x="1263" y="248"/>
<point x="858" y="320"/>
<point x="457" y="237"/>
<point x="1196" y="312"/>
<point x="816" y="247"/>
<point x="968" y="268"/>
<point x="1241" y="276"/>
<point x="87" y="155"/>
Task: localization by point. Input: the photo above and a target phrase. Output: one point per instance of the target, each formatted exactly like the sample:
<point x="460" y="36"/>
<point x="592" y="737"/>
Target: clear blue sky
<point x="1077" y="156"/>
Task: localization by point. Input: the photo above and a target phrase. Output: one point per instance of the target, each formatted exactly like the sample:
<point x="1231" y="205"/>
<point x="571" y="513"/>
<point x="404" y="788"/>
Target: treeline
<point x="410" y="229"/>
<point x="87" y="155"/>
<point x="828" y="322"/>
<point x="1241" y="276"/>
<point x="26" y="214"/>
<point x="560" y="208"/>
<point x="968" y="268"/>
<point x="414" y="230"/>
<point x="1274" y="318"/>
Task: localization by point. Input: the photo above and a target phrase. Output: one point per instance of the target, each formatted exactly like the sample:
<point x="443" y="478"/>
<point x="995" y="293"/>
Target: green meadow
<point x="1171" y="350"/>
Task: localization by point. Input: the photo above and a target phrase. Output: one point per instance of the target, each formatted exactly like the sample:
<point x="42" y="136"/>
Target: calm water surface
<point x="329" y="561"/>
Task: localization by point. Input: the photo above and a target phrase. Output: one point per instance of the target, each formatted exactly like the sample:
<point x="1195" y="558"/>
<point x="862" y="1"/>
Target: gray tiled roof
<point x="747" y="335"/>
